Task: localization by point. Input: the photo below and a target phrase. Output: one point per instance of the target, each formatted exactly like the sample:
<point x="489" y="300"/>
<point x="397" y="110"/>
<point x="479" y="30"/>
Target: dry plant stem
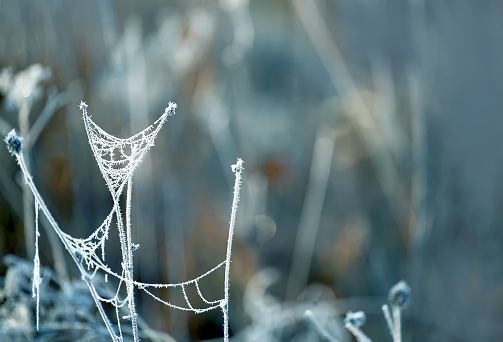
<point x="394" y="324"/>
<point x="397" y="331"/>
<point x="59" y="232"/>
<point x="420" y="218"/>
<point x="133" y="55"/>
<point x="352" y="101"/>
<point x="31" y="134"/>
<point x="237" y="169"/>
<point x="129" y="271"/>
<point x="24" y="112"/>
<point x="36" y="267"/>
<point x="54" y="101"/>
<point x="360" y="336"/>
<point x="311" y="213"/>
<point x="387" y="316"/>
<point x="108" y="21"/>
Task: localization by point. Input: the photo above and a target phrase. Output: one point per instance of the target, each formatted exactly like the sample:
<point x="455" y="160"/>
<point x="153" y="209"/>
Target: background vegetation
<point x="369" y="131"/>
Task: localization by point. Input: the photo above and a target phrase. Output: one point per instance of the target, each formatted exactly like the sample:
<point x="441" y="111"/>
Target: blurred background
<point x="369" y="130"/>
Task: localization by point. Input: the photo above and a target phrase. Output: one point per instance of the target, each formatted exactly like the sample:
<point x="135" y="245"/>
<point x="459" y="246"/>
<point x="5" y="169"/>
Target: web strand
<point x="117" y="159"/>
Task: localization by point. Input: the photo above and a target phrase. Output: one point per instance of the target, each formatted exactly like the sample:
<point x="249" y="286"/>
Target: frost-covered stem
<point x="389" y="321"/>
<point x="394" y="323"/>
<point x="59" y="232"/>
<point x="129" y="261"/>
<point x="360" y="335"/>
<point x="237" y="169"/>
<point x="311" y="212"/>
<point x="94" y="294"/>
<point x="37" y="280"/>
<point x="397" y="331"/>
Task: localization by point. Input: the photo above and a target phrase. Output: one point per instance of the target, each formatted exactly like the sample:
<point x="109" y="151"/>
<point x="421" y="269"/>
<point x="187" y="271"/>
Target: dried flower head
<point x="14" y="142"/>
<point x="238" y="167"/>
<point x="356" y="319"/>
<point x="83" y="106"/>
<point x="399" y="295"/>
<point x="170" y="110"/>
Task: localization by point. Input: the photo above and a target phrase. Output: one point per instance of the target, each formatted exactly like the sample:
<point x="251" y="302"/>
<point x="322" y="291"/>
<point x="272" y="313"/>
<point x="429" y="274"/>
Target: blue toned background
<point x="370" y="131"/>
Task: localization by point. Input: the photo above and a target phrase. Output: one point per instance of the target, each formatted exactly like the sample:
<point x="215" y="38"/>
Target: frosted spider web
<point x="117" y="160"/>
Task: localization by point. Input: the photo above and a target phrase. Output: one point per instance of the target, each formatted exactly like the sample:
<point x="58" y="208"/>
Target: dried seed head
<point x="356" y="319"/>
<point x="14" y="142"/>
<point x="83" y="106"/>
<point x="170" y="110"/>
<point x="238" y="167"/>
<point x="399" y="295"/>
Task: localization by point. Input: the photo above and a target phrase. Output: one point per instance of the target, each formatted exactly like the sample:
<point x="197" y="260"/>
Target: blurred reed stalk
<point x="134" y="67"/>
<point x="355" y="107"/>
<point x="311" y="212"/>
<point x="31" y="133"/>
<point x="28" y="218"/>
<point x="420" y="216"/>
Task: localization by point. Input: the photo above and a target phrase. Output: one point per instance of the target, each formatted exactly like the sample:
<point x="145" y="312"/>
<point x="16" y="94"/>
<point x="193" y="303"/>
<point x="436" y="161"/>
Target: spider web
<point x="117" y="160"/>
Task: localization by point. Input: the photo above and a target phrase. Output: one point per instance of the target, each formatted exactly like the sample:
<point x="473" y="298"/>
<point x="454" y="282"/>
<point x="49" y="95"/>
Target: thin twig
<point x="237" y="169"/>
<point x="129" y="271"/>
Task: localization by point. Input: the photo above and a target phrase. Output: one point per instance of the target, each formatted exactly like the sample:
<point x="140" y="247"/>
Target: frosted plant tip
<point x="399" y="295"/>
<point x="170" y="109"/>
<point x="83" y="105"/>
<point x="14" y="142"/>
<point x="356" y="319"/>
<point x="238" y="167"/>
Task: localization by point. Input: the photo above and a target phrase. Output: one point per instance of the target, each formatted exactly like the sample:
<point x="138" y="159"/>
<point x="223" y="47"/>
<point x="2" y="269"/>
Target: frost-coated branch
<point x="129" y="271"/>
<point x="15" y="148"/>
<point x="238" y="170"/>
<point x="37" y="280"/>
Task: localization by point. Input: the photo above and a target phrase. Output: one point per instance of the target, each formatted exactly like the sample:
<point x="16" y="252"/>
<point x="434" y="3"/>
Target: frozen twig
<point x="238" y="170"/>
